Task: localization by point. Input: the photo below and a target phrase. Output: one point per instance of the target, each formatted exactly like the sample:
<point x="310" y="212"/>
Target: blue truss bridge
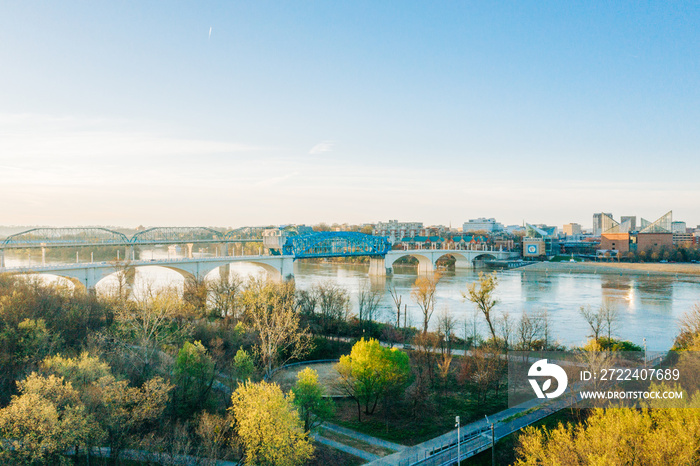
<point x="276" y="254"/>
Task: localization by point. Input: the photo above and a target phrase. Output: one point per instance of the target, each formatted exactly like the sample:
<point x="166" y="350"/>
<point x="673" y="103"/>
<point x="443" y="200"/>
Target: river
<point x="648" y="306"/>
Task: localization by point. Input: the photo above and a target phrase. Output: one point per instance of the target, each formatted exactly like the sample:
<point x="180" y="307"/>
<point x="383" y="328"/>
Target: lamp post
<point x="459" y="438"/>
<point x="493" y="442"/>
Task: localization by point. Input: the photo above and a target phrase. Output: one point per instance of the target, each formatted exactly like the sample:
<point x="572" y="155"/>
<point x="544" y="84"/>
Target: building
<point x="394" y="230"/>
<point x="678" y="227"/>
<point x="572" y="229"/>
<point x="653" y="237"/>
<point x="630" y="221"/>
<point x="482" y="224"/>
<point x="602" y="222"/>
<point x="540" y="241"/>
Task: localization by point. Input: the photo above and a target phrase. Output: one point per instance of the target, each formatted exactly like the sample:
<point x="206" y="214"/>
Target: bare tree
<point x="271" y="313"/>
<point x="225" y="295"/>
<point x="595" y="320"/>
<point x="423" y="293"/>
<point x="396" y="297"/>
<point x="446" y="327"/>
<point x="368" y="304"/>
<point x="481" y="294"/>
<point x="506" y="325"/>
<point x="529" y="330"/>
<point x="333" y="301"/>
<point x="610" y="318"/>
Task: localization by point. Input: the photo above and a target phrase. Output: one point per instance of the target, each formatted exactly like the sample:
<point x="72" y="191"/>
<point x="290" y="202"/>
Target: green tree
<point x="481" y="294"/>
<point x="372" y="371"/>
<point x="309" y="397"/>
<point x="268" y="426"/>
<point x="194" y="376"/>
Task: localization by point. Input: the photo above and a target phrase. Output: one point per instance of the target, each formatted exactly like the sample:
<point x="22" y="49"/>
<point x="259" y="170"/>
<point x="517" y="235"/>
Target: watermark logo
<point x="542" y="368"/>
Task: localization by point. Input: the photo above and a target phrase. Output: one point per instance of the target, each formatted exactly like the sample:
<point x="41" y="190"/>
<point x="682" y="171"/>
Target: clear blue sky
<point x="238" y="113"/>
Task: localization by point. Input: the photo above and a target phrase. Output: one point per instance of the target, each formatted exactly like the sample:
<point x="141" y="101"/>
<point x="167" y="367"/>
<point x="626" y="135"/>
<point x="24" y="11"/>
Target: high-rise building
<point x="602" y="222"/>
<point x="572" y="229"/>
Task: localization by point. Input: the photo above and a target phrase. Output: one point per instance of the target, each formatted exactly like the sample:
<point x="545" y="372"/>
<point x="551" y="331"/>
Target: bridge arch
<point x="425" y="263"/>
<point x="462" y="261"/>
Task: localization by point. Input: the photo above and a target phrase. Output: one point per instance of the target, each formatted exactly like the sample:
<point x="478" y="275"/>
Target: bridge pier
<point x="377" y="266"/>
<point x="2" y="258"/>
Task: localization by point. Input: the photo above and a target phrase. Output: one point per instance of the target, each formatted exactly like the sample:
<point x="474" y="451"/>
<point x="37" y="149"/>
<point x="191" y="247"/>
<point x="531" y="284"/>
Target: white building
<point x="478" y="224"/>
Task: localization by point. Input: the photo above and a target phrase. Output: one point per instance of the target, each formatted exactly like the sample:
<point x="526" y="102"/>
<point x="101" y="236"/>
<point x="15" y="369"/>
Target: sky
<point x="248" y="113"/>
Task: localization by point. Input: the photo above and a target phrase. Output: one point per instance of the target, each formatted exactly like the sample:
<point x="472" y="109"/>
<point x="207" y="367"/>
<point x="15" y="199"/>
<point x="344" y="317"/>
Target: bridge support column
<point x="223" y="249"/>
<point x="225" y="271"/>
<point x="2" y="258"/>
<point x="425" y="266"/>
<point x="287" y="268"/>
<point x="189" y="250"/>
<point x="377" y="266"/>
<point x="43" y="254"/>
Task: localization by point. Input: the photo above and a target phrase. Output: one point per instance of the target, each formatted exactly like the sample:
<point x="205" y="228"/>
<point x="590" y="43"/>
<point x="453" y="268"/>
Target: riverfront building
<point x="482" y="224"/>
<point x="653" y="236"/>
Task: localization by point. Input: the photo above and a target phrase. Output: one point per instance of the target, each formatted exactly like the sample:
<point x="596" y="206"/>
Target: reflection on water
<point x="648" y="306"/>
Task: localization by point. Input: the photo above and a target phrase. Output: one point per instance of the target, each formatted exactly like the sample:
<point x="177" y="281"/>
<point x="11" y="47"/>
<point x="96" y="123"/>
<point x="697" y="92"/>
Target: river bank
<point x="621" y="268"/>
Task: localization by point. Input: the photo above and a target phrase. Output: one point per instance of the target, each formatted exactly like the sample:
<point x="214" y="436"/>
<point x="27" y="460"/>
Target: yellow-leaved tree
<point x="268" y="426"/>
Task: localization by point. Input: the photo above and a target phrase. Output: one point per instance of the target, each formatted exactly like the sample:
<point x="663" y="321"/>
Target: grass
<point x="408" y="426"/>
<point x="355" y="443"/>
<point x="325" y="455"/>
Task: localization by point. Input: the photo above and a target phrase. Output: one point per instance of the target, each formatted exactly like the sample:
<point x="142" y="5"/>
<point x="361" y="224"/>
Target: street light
<point x="493" y="442"/>
<point x="459" y="452"/>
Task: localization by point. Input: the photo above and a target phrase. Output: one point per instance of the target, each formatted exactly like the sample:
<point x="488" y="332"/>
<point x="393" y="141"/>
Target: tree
<point x="271" y="314"/>
<point x="194" y="375"/>
<point x="148" y="324"/>
<point x="43" y="421"/>
<point x="396" y="297"/>
<point x="481" y="294"/>
<point x="528" y="331"/>
<point x="616" y="436"/>
<point x="122" y="412"/>
<point x="268" y="426"/>
<point x="689" y="329"/>
<point x="225" y="295"/>
<point x="595" y="319"/>
<point x="423" y="293"/>
<point x="372" y="371"/>
<point x="310" y="398"/>
<point x="367" y="304"/>
<point x="333" y="301"/>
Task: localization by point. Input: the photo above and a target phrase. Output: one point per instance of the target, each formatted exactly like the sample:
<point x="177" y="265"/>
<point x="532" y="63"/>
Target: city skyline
<point x="261" y="113"/>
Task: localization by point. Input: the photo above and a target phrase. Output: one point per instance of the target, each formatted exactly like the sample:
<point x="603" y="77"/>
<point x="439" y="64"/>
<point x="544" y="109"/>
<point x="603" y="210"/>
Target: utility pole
<point x="645" y="352"/>
<point x="459" y="438"/>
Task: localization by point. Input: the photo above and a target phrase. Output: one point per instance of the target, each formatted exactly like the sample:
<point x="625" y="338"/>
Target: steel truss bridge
<point x="278" y="263"/>
<point x="96" y="236"/>
<point x="336" y="244"/>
